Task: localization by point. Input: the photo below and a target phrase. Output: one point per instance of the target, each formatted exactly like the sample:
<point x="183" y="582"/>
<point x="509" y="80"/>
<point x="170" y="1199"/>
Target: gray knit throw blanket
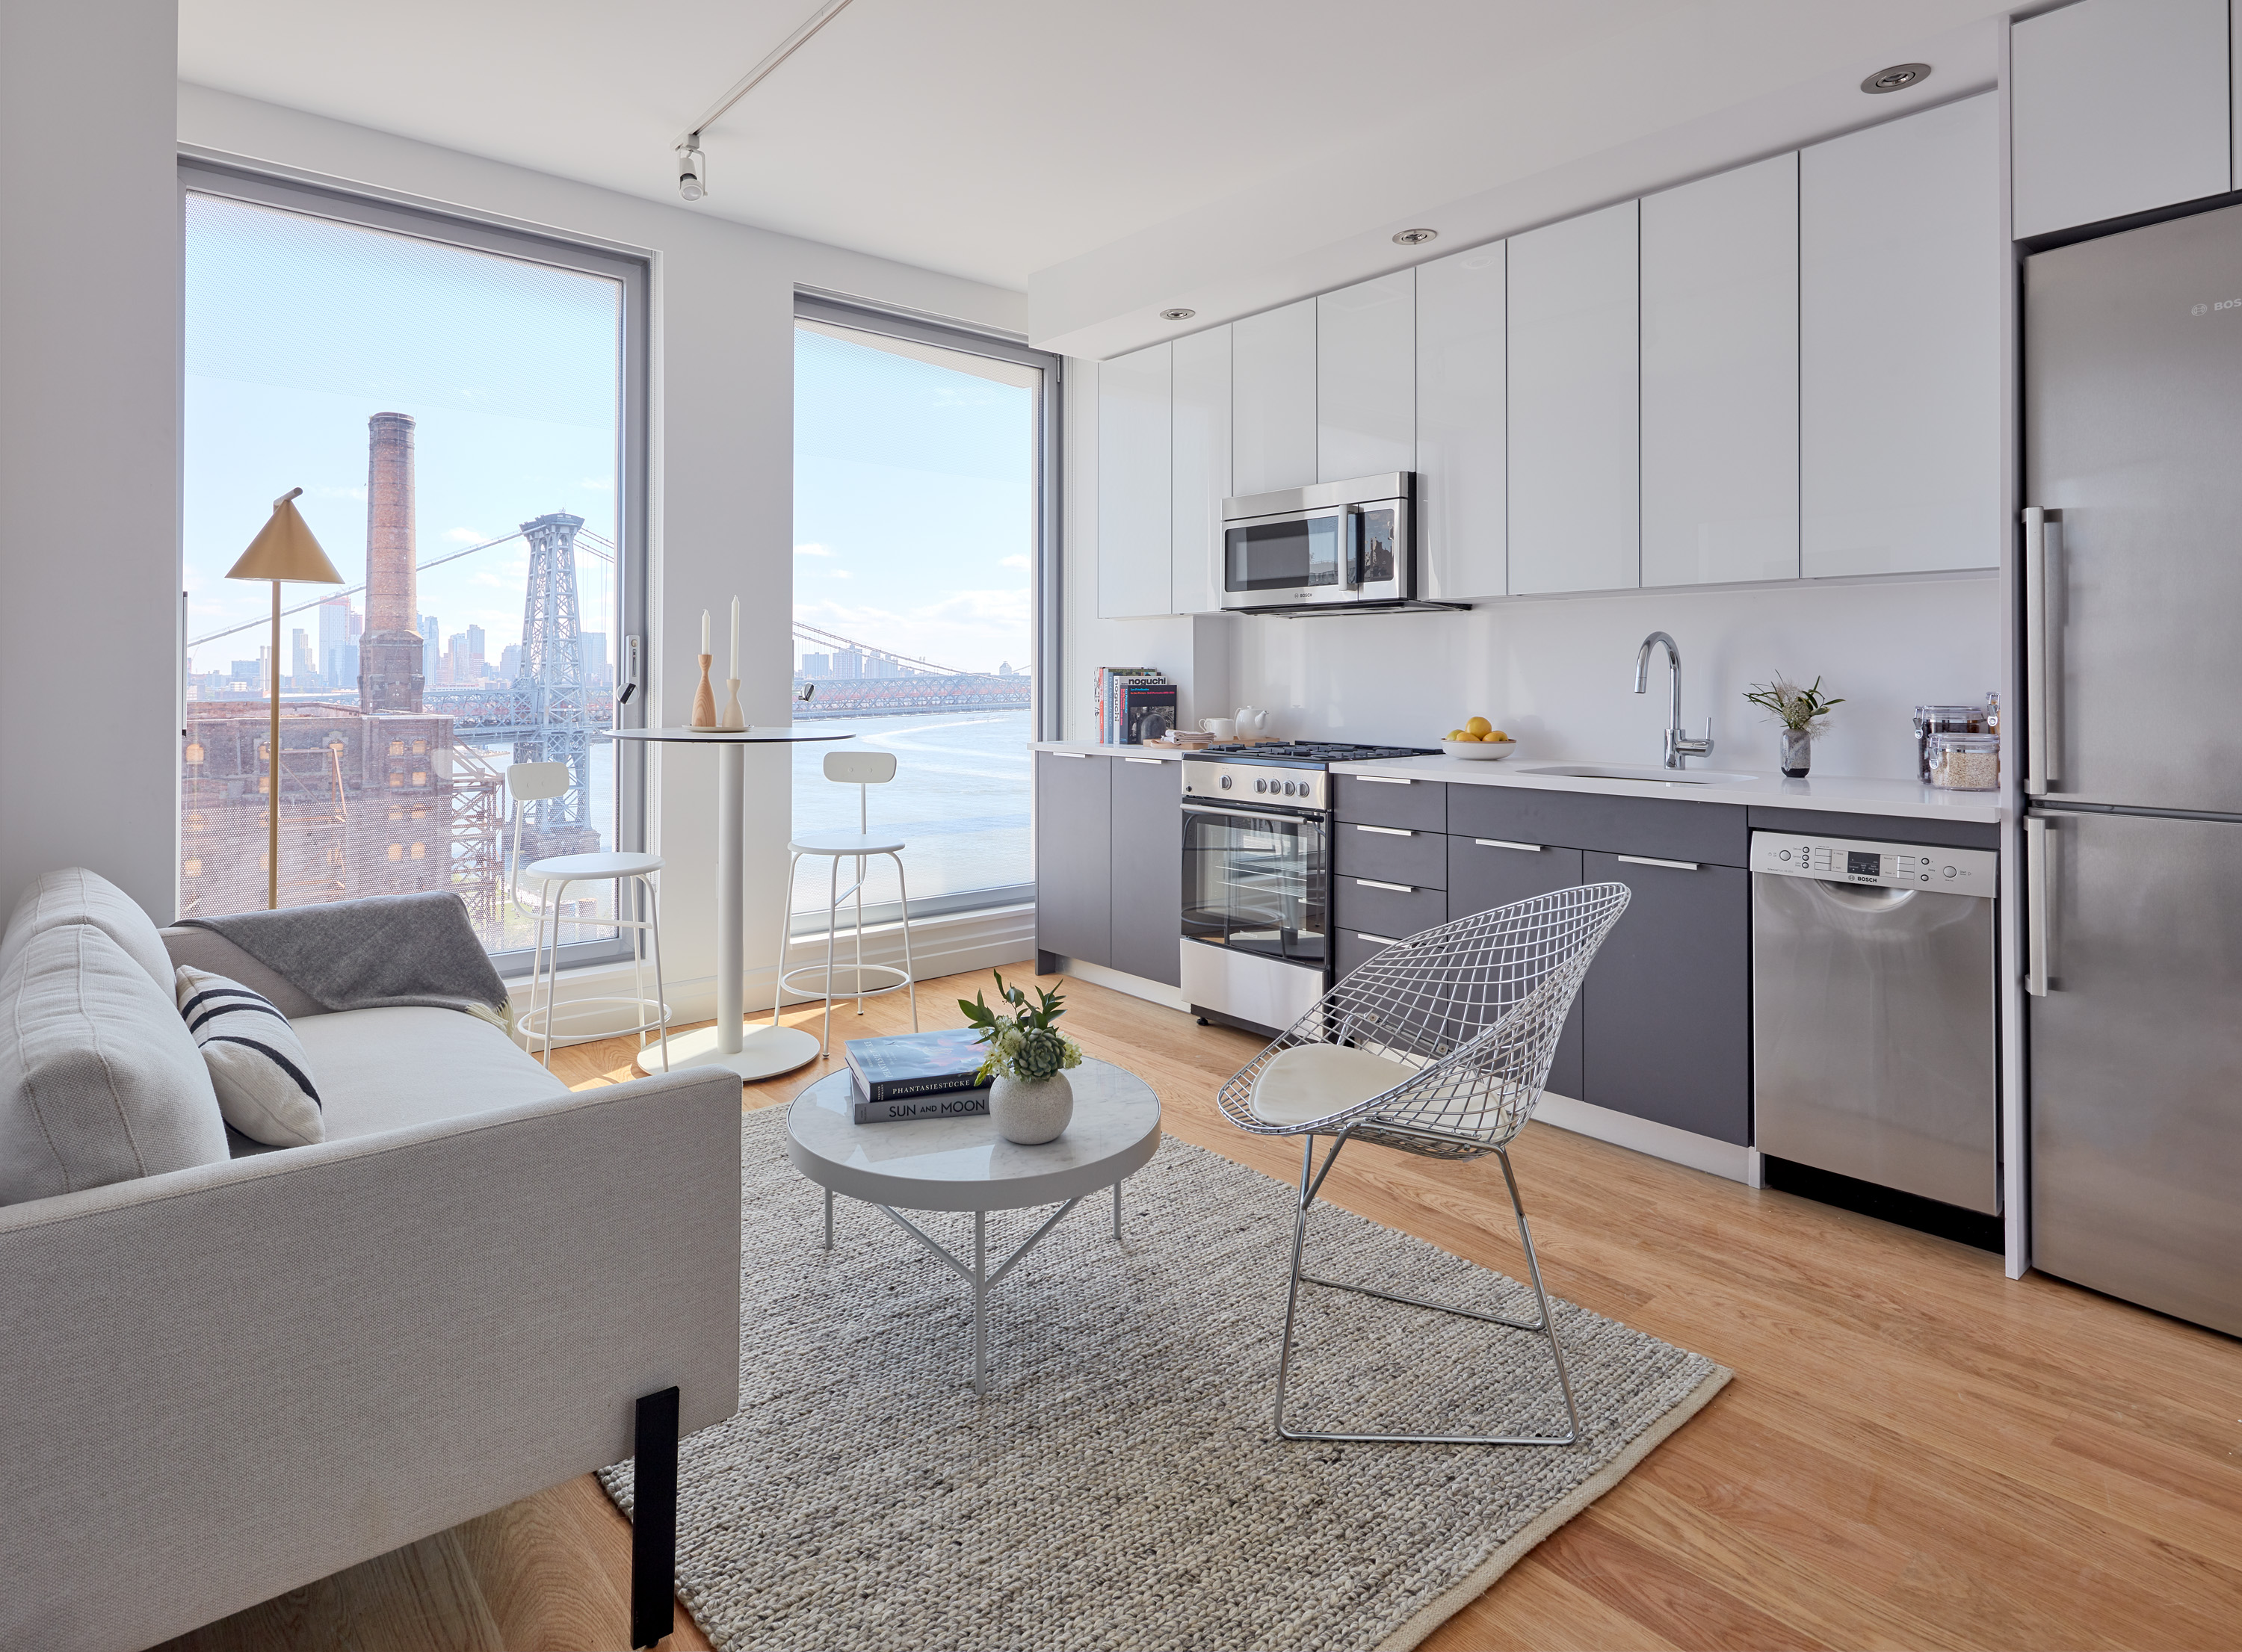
<point x="376" y="954"/>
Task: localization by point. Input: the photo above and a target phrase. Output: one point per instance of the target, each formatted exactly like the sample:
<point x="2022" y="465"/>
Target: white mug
<point x="1221" y="727"/>
<point x="1249" y="720"/>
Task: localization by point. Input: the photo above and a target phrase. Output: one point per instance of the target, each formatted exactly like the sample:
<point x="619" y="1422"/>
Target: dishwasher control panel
<point x="1890" y="865"/>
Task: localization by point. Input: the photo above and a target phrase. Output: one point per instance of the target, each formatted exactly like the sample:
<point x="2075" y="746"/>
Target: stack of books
<point x="917" y="1075"/>
<point x="1125" y="696"/>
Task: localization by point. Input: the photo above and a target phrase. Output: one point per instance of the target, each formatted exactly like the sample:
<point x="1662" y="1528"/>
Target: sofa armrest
<point x="225" y="1382"/>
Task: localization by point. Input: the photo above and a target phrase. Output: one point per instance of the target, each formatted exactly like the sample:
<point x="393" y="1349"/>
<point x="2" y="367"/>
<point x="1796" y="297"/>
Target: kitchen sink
<point x="1641" y="776"/>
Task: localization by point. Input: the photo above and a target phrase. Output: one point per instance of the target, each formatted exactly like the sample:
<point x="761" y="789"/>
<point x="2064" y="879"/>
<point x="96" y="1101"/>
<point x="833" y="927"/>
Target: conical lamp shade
<point x="284" y="549"/>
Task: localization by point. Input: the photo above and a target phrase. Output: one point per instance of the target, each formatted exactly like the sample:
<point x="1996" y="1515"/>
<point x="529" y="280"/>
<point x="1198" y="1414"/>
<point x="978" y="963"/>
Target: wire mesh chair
<point x="1439" y="1046"/>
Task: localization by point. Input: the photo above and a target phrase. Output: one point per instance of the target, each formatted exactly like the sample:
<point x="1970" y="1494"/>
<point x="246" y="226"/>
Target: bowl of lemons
<point x="1478" y="741"/>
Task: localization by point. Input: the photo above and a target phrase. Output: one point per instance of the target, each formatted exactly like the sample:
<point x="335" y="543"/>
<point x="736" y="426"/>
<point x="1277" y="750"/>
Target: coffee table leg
<point x="980" y="1301"/>
<point x="828" y="1217"/>
<point x="1117" y="1210"/>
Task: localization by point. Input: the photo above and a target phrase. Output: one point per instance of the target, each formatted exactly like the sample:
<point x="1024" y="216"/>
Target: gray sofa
<point x="223" y="1382"/>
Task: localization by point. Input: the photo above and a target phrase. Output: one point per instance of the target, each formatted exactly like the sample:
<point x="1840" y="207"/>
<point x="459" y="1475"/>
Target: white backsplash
<point x="1557" y="673"/>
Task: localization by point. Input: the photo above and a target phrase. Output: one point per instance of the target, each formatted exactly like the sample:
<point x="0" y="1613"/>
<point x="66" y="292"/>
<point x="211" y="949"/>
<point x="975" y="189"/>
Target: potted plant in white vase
<point x="1803" y="714"/>
<point x="1030" y="1099"/>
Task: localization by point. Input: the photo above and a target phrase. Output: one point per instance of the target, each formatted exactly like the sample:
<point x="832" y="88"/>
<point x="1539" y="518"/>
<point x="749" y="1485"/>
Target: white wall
<point x="1557" y="672"/>
<point x="89" y="443"/>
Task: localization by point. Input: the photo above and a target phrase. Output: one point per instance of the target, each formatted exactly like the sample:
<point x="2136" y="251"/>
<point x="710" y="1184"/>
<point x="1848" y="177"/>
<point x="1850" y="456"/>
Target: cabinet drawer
<point x="1355" y="948"/>
<point x="1666" y="828"/>
<point x="1392" y="854"/>
<point x="1421" y="805"/>
<point x="1485" y="875"/>
<point x="1395" y="910"/>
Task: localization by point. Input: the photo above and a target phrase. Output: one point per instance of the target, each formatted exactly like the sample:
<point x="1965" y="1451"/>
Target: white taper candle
<point x="704" y="630"/>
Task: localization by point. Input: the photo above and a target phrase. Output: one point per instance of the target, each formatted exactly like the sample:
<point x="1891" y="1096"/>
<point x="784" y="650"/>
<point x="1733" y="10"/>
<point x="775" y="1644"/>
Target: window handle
<point x="630" y="684"/>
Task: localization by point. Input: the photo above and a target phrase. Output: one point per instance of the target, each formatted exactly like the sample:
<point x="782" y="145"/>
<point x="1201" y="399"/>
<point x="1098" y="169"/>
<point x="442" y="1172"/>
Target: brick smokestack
<point x="389" y="652"/>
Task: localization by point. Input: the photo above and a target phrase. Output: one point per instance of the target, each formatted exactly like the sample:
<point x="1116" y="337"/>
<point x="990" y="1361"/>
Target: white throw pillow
<point x="257" y="1062"/>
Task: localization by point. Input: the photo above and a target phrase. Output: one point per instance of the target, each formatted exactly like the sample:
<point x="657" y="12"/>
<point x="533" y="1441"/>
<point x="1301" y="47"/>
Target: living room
<point x="1732" y="1153"/>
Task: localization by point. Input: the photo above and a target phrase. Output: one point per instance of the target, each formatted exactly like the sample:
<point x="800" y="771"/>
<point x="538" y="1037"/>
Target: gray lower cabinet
<point x="1074" y="857"/>
<point x="1667" y="1006"/>
<point x="1484" y="874"/>
<point x="1148" y="868"/>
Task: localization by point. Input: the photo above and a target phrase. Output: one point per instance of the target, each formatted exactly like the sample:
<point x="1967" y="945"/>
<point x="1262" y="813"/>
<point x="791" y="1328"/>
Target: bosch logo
<point x="2223" y="303"/>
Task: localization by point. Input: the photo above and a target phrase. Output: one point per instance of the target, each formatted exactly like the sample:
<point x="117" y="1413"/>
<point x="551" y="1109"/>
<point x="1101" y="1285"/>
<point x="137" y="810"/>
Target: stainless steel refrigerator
<point x="2132" y="634"/>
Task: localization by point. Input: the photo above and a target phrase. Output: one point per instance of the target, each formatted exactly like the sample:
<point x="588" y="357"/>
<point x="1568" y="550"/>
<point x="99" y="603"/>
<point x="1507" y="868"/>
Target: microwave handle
<point x="1352" y="528"/>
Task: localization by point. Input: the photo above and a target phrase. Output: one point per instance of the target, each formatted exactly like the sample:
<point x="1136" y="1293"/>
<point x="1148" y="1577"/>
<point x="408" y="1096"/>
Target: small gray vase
<point x="1031" y="1113"/>
<point x="1797" y="754"/>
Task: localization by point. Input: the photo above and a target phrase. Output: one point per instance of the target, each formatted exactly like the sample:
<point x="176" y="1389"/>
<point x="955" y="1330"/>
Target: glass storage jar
<point x="1965" y="762"/>
<point x="1944" y="719"/>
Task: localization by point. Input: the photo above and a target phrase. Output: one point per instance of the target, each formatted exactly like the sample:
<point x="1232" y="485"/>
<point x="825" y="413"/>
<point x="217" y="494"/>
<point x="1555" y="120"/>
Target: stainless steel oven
<point x="1255" y="911"/>
<point x="1334" y="543"/>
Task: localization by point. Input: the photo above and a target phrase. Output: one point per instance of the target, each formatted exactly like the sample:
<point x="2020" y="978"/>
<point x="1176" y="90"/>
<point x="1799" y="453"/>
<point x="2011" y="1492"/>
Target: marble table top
<point x="963" y="1164"/>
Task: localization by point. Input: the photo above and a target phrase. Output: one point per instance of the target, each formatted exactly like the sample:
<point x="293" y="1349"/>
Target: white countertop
<point x="1166" y="754"/>
<point x="1835" y="794"/>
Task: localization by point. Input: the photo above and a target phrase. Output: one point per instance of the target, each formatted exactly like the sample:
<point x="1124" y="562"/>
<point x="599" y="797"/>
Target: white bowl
<point x="1479" y="751"/>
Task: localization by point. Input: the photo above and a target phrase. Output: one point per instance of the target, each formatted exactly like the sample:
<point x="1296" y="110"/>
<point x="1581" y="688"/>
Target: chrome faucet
<point x="1680" y="748"/>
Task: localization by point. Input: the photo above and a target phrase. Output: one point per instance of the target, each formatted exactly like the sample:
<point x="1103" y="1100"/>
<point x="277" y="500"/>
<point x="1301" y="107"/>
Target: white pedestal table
<point x="963" y="1164"/>
<point x="762" y="1051"/>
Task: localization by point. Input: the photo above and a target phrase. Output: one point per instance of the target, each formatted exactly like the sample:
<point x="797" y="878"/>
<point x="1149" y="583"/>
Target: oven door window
<point x="1284" y="556"/>
<point x="1257" y="883"/>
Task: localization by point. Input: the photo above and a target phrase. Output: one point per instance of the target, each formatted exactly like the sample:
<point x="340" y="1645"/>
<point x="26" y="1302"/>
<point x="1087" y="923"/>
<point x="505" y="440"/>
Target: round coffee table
<point x="963" y="1164"/>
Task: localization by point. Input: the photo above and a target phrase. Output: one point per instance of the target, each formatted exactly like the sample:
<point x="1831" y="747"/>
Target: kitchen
<point x="1773" y="411"/>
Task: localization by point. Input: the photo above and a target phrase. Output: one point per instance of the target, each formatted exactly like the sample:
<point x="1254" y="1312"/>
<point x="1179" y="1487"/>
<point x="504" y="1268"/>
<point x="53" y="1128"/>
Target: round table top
<point x="963" y="1164"/>
<point x="769" y="731"/>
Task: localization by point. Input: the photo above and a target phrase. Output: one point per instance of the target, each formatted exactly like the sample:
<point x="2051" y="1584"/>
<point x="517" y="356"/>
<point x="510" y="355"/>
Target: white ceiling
<point x="994" y="139"/>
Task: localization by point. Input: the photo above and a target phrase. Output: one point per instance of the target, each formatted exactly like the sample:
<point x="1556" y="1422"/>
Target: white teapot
<point x="1252" y="722"/>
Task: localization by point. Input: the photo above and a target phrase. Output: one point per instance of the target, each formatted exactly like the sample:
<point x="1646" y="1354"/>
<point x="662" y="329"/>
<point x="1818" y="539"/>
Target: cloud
<point x="839" y="574"/>
<point x="598" y="484"/>
<point x="358" y="493"/>
<point x="467" y="536"/>
<point x="813" y="550"/>
<point x="1015" y="562"/>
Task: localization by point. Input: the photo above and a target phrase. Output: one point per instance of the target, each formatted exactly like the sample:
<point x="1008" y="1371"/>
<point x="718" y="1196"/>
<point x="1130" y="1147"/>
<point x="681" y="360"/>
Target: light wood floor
<point x="1916" y="1451"/>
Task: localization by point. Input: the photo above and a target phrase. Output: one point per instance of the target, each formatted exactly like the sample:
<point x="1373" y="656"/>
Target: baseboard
<point x="1158" y="992"/>
<point x="1646" y="1136"/>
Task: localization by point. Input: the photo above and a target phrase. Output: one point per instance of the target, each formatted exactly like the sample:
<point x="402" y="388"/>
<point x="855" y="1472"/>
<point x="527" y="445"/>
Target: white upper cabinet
<point x="1901" y="268"/>
<point x="1133" y="511"/>
<point x="1272" y="367"/>
<point x="2118" y="106"/>
<point x="1720" y="378"/>
<point x="1460" y="437"/>
<point x="1367" y="379"/>
<point x="1574" y="404"/>
<point x="1200" y="471"/>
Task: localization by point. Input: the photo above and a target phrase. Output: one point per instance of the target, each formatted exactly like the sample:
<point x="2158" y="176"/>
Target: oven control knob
<point x="1226" y="783"/>
<point x="1260" y="786"/>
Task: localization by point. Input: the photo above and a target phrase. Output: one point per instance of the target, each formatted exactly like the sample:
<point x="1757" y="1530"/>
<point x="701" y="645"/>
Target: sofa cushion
<point x="256" y="1063"/>
<point x="382" y="1069"/>
<point x="100" y="1081"/>
<point x="76" y="896"/>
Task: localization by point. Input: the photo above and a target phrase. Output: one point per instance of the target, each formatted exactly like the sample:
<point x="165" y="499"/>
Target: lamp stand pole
<point x="273" y="767"/>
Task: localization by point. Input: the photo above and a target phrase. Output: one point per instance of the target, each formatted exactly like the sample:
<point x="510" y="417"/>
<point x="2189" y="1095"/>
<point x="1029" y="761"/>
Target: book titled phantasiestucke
<point x="915" y="1064"/>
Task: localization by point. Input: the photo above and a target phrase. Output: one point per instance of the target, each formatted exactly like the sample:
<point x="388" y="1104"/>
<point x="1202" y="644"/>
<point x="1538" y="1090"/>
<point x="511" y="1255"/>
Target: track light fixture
<point x="692" y="169"/>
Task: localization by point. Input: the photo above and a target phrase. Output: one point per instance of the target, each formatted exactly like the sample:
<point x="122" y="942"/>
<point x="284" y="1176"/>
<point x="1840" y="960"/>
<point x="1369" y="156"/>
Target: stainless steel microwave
<point x="1334" y="543"/>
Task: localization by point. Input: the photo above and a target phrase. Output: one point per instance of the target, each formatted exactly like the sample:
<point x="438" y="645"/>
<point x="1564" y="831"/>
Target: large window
<point x="459" y="406"/>
<point x="919" y="492"/>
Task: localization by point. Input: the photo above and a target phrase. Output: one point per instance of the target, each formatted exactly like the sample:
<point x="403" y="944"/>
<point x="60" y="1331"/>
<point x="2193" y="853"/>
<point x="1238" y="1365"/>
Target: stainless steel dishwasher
<point x="1873" y="1033"/>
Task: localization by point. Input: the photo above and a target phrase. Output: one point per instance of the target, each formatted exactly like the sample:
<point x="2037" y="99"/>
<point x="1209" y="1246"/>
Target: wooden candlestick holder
<point x="704" y="698"/>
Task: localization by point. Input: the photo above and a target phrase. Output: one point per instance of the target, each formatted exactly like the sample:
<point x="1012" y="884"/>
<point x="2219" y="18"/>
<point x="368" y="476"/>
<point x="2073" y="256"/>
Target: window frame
<point x="1046" y="560"/>
<point x="205" y="172"/>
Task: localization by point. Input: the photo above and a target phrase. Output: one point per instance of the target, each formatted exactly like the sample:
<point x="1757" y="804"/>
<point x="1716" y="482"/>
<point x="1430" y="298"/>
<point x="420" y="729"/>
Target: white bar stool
<point x="863" y="770"/>
<point x="535" y="783"/>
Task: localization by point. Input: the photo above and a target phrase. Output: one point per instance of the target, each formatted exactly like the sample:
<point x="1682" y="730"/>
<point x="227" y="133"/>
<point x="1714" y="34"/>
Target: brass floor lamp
<point x="284" y="549"/>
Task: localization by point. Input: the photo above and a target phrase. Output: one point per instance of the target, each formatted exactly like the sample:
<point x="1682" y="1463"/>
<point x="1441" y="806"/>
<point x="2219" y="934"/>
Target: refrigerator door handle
<point x="2037" y="948"/>
<point x="2038" y="708"/>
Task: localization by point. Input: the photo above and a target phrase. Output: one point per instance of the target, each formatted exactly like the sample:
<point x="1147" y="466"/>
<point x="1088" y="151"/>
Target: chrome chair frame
<point x="1470" y="1013"/>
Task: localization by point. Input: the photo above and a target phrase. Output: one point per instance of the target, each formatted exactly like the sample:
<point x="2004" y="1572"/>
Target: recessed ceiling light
<point x="1895" y="77"/>
<point x="1177" y="315"/>
<point x="1415" y="237"/>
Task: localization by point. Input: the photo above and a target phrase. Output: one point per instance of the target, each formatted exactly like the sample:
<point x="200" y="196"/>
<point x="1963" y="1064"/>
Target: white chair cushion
<point x="76" y="896"/>
<point x="846" y="843"/>
<point x="383" y="1069"/>
<point x="1311" y="1081"/>
<point x="99" y="1079"/>
<point x="257" y="1064"/>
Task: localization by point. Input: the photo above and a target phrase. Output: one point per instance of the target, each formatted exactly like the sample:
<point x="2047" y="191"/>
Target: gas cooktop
<point x="1304" y="754"/>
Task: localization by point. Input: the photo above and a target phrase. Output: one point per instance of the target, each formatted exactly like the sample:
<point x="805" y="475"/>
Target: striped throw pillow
<point x="255" y="1061"/>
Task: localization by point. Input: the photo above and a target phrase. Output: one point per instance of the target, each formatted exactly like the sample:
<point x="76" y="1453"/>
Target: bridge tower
<point x="552" y="697"/>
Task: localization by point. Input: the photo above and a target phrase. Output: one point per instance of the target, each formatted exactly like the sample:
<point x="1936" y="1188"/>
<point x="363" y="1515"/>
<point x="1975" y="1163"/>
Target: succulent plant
<point x="1025" y="1046"/>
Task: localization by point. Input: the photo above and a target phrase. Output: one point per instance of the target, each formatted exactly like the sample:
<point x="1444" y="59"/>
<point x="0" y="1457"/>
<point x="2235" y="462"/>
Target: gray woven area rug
<point x="1121" y="1487"/>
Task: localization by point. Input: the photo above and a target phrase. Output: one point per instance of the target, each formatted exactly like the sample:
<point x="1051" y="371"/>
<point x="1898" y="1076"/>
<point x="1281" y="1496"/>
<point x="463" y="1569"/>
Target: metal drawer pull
<point x="1154" y="761"/>
<point x="1377" y="941"/>
<point x="1646" y="860"/>
<point x="1383" y="779"/>
<point x="1505" y="842"/>
<point x="1387" y="832"/>
<point x="1398" y="888"/>
<point x="1079" y="757"/>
